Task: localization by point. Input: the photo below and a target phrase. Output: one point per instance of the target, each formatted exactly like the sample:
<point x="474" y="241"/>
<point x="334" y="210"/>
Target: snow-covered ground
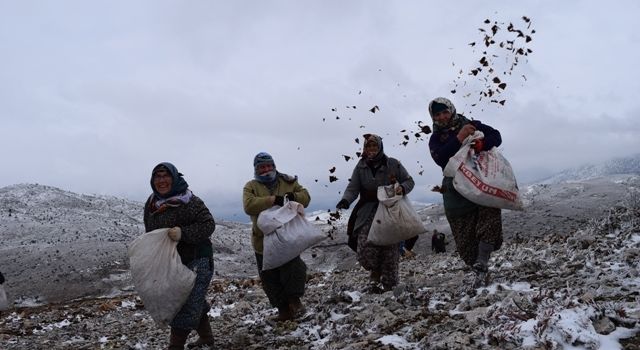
<point x="567" y="277"/>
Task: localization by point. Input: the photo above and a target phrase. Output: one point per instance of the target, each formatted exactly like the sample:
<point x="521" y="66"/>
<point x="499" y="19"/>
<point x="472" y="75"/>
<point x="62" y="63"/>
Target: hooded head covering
<point x="437" y="107"/>
<point x="368" y="138"/>
<point x="440" y="104"/>
<point x="260" y="159"/>
<point x="178" y="185"/>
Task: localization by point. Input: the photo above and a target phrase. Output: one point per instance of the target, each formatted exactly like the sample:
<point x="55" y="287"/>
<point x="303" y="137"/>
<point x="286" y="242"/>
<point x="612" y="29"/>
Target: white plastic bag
<point x="160" y="278"/>
<point x="485" y="178"/>
<point x="4" y="303"/>
<point x="395" y="219"/>
<point x="287" y="233"/>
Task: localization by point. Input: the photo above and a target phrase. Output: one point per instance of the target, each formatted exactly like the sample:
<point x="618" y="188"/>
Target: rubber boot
<point x="205" y="335"/>
<point x="481" y="266"/>
<point x="178" y="338"/>
<point x="284" y="314"/>
<point x="296" y="307"/>
<point x="374" y="277"/>
<point x="484" y="253"/>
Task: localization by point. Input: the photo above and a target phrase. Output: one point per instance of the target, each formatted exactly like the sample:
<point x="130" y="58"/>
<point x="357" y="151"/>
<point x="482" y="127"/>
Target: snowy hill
<point x="57" y="245"/>
<point x="37" y="214"/>
<point x="567" y="276"/>
<point x="573" y="286"/>
<point x="623" y="165"/>
<point x="53" y="241"/>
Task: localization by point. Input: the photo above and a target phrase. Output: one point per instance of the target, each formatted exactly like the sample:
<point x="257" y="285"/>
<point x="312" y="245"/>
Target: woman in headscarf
<point x="283" y="285"/>
<point x="374" y="169"/>
<point x="476" y="229"/>
<point x="172" y="205"/>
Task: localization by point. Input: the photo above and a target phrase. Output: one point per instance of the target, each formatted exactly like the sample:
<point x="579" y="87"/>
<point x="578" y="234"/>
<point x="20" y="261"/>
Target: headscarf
<point x="456" y="121"/>
<point x="260" y="159"/>
<point x="378" y="157"/>
<point x="178" y="186"/>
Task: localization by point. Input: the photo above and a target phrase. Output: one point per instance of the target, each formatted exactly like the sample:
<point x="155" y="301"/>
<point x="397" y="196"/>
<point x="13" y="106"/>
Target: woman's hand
<point x="343" y="204"/>
<point x="400" y="190"/>
<point x="175" y="233"/>
<point x="466" y="130"/>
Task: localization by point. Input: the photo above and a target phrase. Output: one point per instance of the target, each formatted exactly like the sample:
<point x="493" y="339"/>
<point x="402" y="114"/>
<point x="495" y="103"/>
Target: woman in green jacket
<point x="283" y="285"/>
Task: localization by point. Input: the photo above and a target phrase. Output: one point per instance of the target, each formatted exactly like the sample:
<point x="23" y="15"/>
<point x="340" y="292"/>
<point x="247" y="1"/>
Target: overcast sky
<point x="93" y="94"/>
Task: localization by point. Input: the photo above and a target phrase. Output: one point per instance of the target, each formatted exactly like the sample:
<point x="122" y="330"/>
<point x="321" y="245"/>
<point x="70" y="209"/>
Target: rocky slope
<point x="567" y="276"/>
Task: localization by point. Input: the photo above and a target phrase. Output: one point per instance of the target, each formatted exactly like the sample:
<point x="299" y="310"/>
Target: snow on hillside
<point x="567" y="277"/>
<point x="57" y="245"/>
<point x="37" y="214"/>
<point x="576" y="290"/>
<point x="623" y="165"/>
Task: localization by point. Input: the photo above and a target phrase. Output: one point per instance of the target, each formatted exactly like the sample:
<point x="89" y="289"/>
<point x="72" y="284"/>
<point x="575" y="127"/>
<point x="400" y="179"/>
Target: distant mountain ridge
<point x="616" y="166"/>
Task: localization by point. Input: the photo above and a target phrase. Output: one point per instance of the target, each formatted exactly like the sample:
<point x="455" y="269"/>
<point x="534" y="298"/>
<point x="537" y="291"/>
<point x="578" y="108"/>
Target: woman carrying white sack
<point x="283" y="285"/>
<point x="476" y="229"/>
<point x="374" y="169"/>
<point x="172" y="205"/>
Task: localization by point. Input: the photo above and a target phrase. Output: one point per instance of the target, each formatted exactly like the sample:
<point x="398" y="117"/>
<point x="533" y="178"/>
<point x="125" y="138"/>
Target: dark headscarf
<point x="378" y="157"/>
<point x="439" y="104"/>
<point x="178" y="185"/>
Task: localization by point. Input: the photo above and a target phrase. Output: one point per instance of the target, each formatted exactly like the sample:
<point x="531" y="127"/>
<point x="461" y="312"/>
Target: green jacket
<point x="255" y="199"/>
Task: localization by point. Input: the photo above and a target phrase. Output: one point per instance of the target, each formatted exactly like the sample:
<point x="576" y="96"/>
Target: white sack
<point x="160" y="278"/>
<point x="395" y="219"/>
<point x="287" y="233"/>
<point x="4" y="303"/>
<point x="485" y="178"/>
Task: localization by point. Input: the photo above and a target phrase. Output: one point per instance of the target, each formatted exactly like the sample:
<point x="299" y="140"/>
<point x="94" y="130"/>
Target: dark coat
<point x="444" y="144"/>
<point x="364" y="184"/>
<point x="195" y="221"/>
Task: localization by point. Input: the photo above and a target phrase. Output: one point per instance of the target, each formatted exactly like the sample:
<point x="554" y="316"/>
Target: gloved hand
<point x="175" y="233"/>
<point x="290" y="196"/>
<point x="279" y="201"/>
<point x="478" y="145"/>
<point x="343" y="204"/>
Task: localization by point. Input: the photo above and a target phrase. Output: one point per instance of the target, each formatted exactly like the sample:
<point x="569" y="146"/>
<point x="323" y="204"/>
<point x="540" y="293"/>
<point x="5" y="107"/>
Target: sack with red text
<point x="485" y="178"/>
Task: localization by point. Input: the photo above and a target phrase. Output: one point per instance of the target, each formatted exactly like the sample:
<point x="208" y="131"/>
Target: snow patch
<point x="397" y="341"/>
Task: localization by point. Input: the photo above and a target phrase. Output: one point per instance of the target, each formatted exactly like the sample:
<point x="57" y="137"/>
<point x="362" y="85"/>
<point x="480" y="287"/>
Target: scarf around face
<point x="260" y="159"/>
<point x="161" y="204"/>
<point x="267" y="178"/>
<point x="178" y="183"/>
